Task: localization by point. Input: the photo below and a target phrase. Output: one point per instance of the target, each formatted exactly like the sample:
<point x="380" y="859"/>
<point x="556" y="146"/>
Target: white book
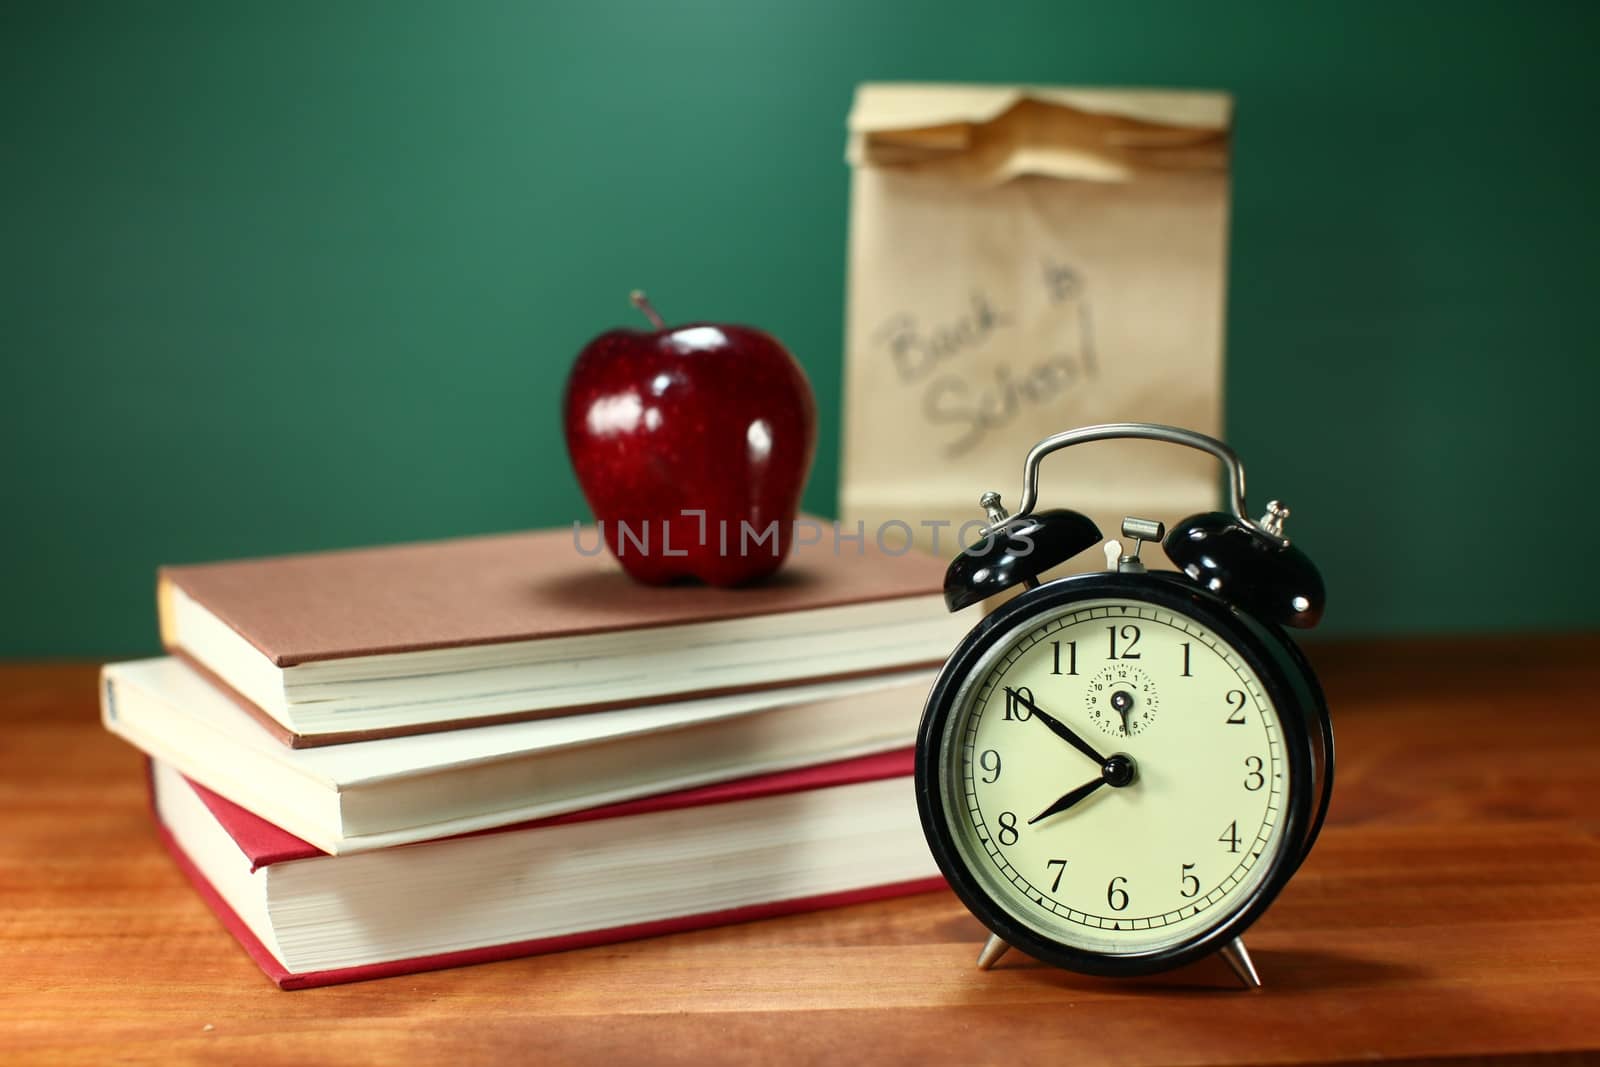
<point x="373" y="794"/>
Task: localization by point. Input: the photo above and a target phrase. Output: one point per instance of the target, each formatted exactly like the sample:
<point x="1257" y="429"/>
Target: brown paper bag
<point x="1023" y="261"/>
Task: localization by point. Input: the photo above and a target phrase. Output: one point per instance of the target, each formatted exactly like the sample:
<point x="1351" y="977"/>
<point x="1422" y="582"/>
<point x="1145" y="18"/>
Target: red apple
<point x="690" y="443"/>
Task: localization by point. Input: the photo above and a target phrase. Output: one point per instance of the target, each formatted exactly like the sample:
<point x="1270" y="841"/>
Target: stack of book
<point x="386" y="760"/>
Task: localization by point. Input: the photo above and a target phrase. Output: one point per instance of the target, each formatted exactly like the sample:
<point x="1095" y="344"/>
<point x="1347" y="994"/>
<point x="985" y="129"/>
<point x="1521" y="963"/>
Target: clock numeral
<point x="1188" y="881"/>
<point x="1072" y="657"/>
<point x="1061" y="868"/>
<point x="1116" y="896"/>
<point x="1230" y="836"/>
<point x="1255" y="779"/>
<point x="1186" y="673"/>
<point x="990" y="761"/>
<point x="1236" y="702"/>
<point x="1017" y="701"/>
<point x="1008" y="828"/>
<point x="1129" y="634"/>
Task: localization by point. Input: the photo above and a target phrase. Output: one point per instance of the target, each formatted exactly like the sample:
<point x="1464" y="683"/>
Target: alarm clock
<point x="1118" y="771"/>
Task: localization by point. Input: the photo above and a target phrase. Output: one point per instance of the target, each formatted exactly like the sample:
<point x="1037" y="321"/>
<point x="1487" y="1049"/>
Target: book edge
<point x="258" y="714"/>
<point x="286" y="980"/>
<point x="170" y="578"/>
<point x="854" y="770"/>
<point x="295" y="739"/>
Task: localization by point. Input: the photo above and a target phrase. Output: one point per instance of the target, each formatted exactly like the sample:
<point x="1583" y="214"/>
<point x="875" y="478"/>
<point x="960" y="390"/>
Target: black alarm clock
<point x="1118" y="771"/>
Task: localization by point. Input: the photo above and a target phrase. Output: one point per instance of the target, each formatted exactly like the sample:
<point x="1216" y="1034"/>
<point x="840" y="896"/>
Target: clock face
<point x="1114" y="776"/>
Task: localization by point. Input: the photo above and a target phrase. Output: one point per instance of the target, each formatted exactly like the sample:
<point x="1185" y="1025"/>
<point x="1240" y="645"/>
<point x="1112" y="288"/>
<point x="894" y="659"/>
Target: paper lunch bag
<point x="1023" y="261"/>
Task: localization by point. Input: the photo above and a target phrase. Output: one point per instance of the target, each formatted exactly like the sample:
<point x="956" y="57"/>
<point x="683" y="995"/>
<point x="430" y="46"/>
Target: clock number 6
<point x="1255" y="779"/>
<point x="1116" y="896"/>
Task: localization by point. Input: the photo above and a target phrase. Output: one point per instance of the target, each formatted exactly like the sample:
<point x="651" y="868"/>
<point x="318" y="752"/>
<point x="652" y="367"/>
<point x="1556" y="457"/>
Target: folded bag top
<point x="986" y="135"/>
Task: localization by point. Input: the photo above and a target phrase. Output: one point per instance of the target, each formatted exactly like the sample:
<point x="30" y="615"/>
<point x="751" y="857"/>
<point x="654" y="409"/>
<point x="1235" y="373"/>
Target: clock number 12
<point x="1130" y="634"/>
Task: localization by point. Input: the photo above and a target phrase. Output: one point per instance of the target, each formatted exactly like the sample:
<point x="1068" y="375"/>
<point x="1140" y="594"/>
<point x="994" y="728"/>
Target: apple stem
<point x="642" y="302"/>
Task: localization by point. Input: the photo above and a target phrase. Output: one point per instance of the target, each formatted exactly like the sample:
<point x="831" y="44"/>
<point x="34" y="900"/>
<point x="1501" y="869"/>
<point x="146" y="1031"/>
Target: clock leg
<point x="993" y="949"/>
<point x="1238" y="958"/>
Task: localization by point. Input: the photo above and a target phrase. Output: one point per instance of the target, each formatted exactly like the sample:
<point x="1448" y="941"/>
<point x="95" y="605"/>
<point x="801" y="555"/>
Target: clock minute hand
<point x="1057" y="727"/>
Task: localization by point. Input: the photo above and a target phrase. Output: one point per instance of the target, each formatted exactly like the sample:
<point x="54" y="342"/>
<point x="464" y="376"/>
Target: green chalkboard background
<point x="279" y="276"/>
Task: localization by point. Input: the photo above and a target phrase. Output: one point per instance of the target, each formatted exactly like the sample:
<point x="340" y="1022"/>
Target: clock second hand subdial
<point x="1122" y="703"/>
<point x="1057" y="727"/>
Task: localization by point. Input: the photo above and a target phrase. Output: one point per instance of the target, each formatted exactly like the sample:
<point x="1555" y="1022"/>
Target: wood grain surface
<point x="1451" y="912"/>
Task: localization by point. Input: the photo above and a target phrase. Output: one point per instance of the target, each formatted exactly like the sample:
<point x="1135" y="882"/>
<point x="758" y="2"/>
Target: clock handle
<point x="1149" y="431"/>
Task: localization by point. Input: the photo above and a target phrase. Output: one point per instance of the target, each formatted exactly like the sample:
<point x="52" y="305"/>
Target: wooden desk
<point x="1451" y="911"/>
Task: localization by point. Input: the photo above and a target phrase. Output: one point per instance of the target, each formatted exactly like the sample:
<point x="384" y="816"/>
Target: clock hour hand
<point x="1068" y="799"/>
<point x="1056" y="726"/>
<point x="1119" y="772"/>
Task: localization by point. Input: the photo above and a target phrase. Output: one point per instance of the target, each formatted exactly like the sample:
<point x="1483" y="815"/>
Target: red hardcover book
<point x="799" y="840"/>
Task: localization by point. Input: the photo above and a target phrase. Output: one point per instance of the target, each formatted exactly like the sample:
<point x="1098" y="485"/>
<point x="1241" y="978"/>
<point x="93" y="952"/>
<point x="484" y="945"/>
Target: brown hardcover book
<point x="365" y="643"/>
